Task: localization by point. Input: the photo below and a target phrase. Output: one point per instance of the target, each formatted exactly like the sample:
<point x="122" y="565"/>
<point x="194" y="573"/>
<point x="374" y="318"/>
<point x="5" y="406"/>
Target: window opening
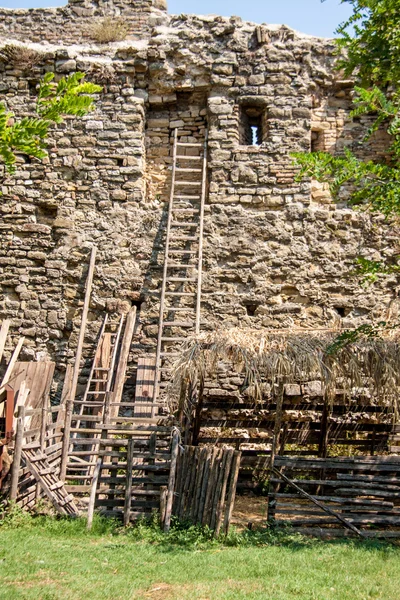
<point x="251" y="126"/>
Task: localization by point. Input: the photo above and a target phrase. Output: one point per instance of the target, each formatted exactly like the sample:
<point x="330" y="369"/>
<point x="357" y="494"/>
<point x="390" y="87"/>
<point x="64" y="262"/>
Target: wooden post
<point x="128" y="488"/>
<point x="123" y="360"/>
<point x="19" y="437"/>
<point x="93" y="491"/>
<point x="42" y="438"/>
<point x="220" y="506"/>
<point x="278" y="422"/>
<point x="11" y="364"/>
<point x="171" y="481"/>
<point x="71" y="397"/>
<point x="3" y="335"/>
<point x="230" y="501"/>
<point x="323" y="440"/>
<point x="197" y="416"/>
<point x="163" y="504"/>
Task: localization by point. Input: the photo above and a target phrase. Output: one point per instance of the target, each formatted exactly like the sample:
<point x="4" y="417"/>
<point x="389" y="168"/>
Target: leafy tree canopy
<point x="70" y="96"/>
<point x="372" y="56"/>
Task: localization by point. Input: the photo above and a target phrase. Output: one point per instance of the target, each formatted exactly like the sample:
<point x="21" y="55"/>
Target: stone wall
<point x="277" y="252"/>
<point x="73" y="23"/>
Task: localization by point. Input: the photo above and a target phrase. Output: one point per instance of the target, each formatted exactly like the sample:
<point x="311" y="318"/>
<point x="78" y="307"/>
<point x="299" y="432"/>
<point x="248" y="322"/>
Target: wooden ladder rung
<point x="180" y="294"/>
<point x="185" y="238"/>
<point x="88" y="402"/>
<point x="181" y="279"/>
<point x="56" y="486"/>
<point x="47" y="471"/>
<point x="179" y="224"/>
<point x="185" y="210"/>
<point x="187" y="182"/>
<point x="95" y="392"/>
<point x="185" y="197"/>
<point x="172" y="251"/>
<point x="180" y="266"/>
<point x="188" y="170"/>
<point x="173" y="339"/>
<point x="178" y="309"/>
<point x="190" y="144"/>
<point x="183" y="156"/>
<point x="178" y="324"/>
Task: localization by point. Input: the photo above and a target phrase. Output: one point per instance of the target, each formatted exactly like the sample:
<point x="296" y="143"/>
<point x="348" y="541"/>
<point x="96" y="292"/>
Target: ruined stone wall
<point x="73" y="23"/>
<point x="277" y="252"/>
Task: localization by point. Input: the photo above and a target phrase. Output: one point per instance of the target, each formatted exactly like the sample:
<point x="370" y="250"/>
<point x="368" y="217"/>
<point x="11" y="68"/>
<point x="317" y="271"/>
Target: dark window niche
<point x="252" y="125"/>
<point x="251" y="308"/>
<point x="317" y="141"/>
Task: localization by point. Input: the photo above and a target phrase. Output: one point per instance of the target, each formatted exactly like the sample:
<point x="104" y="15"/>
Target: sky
<point x="307" y="16"/>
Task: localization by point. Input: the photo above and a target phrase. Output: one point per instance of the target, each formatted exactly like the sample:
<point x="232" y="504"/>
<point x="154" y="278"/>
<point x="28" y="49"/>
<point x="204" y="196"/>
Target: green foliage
<point x="70" y="96"/>
<point x="372" y="55"/>
<point x="374" y="51"/>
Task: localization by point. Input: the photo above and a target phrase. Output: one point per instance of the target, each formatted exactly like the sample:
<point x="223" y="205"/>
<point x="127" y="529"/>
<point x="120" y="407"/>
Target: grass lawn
<point x="48" y="559"/>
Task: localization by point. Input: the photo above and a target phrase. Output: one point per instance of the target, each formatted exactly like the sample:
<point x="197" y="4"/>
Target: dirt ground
<point x="250" y="510"/>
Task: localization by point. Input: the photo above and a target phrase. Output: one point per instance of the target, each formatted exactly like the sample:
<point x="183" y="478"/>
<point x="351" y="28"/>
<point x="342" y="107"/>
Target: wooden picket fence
<point x="205" y="486"/>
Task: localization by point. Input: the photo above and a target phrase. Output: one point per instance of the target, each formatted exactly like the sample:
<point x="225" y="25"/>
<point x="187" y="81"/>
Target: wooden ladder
<point x="100" y="380"/>
<point x="94" y="407"/>
<point x="46" y="476"/>
<point x="182" y="274"/>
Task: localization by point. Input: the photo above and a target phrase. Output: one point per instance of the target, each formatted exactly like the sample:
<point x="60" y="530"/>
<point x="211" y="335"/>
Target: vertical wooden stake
<point x="221" y="502"/>
<point x="71" y="397"/>
<point x="278" y="423"/>
<point x="128" y="488"/>
<point x="19" y="436"/>
<point x="230" y="501"/>
<point x="171" y="481"/>
<point x="3" y="335"/>
<point x="163" y="504"/>
<point x="93" y="491"/>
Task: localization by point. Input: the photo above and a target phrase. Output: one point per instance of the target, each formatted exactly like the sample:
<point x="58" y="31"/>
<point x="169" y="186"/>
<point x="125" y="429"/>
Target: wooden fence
<point x="132" y="465"/>
<point x="307" y="429"/>
<point x="363" y="492"/>
<point x="205" y="486"/>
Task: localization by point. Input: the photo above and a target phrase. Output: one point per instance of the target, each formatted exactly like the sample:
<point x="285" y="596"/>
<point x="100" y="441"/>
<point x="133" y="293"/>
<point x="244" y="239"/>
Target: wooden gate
<point x="364" y="491"/>
<point x="205" y="486"/>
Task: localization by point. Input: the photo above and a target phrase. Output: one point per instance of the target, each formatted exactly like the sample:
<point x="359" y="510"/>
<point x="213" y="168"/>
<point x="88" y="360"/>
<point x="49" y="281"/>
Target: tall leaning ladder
<point x="181" y="289"/>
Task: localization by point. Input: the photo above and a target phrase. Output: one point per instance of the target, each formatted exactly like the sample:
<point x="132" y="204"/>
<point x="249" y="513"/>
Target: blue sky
<point x="308" y="16"/>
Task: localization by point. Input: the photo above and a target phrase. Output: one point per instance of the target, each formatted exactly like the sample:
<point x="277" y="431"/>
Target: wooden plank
<point x="78" y="355"/>
<point x="17" y="453"/>
<point x="128" y="488"/>
<point x="221" y="503"/>
<point x="123" y="361"/>
<point x="3" y="336"/>
<point x="232" y="490"/>
<point x="93" y="491"/>
<point x="145" y="381"/>
<point x="171" y="480"/>
<point x="11" y="364"/>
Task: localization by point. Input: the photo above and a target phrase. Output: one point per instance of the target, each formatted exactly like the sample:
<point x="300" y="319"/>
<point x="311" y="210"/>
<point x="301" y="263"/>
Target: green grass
<point x="44" y="558"/>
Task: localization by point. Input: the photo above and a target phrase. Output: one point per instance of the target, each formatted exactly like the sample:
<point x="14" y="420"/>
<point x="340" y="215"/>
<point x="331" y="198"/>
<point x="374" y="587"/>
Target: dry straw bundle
<point x="293" y="356"/>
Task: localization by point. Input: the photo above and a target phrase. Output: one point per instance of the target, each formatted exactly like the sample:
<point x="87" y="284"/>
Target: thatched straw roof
<point x="292" y="357"/>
